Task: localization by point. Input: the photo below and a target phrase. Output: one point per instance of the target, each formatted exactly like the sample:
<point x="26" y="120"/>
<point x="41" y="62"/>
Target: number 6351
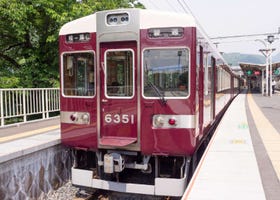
<point x="119" y="118"/>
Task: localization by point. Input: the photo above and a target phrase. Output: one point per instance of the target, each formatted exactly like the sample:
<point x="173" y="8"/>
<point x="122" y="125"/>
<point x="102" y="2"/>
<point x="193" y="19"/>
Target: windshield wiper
<point x="158" y="92"/>
<point x="155" y="88"/>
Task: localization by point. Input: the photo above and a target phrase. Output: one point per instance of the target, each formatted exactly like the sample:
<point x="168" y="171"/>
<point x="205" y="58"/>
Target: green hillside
<point x="234" y="59"/>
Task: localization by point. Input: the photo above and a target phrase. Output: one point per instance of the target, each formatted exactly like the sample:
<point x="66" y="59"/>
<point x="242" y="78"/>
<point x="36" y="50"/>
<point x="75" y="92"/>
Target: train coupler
<point x="113" y="162"/>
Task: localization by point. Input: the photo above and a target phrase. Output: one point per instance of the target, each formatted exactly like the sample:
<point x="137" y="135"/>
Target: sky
<point x="230" y="17"/>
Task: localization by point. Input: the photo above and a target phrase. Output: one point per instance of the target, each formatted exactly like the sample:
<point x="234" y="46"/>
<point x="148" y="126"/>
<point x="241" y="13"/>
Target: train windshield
<point x="166" y="73"/>
<point x="78" y="74"/>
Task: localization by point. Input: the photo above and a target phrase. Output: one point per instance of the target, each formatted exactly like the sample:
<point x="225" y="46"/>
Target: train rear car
<point x="132" y="102"/>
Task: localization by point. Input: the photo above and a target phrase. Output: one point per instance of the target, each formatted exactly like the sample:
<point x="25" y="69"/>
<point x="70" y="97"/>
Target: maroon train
<point x="140" y="90"/>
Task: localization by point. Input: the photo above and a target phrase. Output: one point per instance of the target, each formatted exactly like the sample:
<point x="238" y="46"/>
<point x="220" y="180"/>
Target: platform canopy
<point x="253" y="69"/>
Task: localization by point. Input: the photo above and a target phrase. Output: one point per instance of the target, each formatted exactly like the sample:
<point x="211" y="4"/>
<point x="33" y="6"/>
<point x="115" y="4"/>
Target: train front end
<point x="128" y="100"/>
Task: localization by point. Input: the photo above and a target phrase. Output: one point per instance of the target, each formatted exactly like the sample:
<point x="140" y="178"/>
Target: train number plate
<point x="119" y="118"/>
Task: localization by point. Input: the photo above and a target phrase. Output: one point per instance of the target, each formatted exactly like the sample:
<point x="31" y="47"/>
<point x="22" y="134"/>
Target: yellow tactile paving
<point x="277" y="164"/>
<point x="269" y="135"/>
<point x="28" y="133"/>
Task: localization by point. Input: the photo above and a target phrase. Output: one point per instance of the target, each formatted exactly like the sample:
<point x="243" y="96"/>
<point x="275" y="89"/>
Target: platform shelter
<point x="255" y="75"/>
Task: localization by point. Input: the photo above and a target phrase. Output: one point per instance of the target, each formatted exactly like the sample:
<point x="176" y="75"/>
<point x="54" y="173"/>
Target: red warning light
<point x="257" y="73"/>
<point x="172" y="121"/>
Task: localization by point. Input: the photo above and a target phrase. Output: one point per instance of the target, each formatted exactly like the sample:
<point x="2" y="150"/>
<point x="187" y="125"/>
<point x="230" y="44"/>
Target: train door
<point x="118" y="101"/>
<point x="213" y="87"/>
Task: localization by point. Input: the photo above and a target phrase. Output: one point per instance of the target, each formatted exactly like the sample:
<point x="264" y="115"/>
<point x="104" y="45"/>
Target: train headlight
<point x="117" y="19"/>
<point x="85" y="118"/>
<point x="158" y="121"/>
<point x="112" y="20"/>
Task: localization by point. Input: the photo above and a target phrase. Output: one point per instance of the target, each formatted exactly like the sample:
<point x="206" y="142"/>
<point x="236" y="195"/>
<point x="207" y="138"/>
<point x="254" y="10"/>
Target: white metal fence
<point x="25" y="104"/>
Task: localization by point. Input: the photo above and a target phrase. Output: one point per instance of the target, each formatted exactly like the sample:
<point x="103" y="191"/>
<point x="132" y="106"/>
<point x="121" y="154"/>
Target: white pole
<point x="267" y="75"/>
<point x="265" y="53"/>
<point x="2" y="121"/>
<point x="262" y="82"/>
<point x="25" y="101"/>
<point x="270" y="72"/>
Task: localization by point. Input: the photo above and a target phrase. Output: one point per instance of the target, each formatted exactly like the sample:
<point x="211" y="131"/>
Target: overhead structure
<point x="255" y="75"/>
<point x="178" y="6"/>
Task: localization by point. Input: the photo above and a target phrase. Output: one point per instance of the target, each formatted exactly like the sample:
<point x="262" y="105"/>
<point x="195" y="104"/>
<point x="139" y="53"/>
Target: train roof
<point x="148" y="19"/>
<point x="81" y="25"/>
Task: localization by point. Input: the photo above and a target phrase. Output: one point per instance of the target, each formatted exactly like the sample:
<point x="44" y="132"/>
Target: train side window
<point x="166" y="73"/>
<point x="206" y="72"/>
<point x="78" y="74"/>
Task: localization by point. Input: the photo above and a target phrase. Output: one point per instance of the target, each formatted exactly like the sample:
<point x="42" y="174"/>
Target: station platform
<point x="22" y="139"/>
<point x="242" y="160"/>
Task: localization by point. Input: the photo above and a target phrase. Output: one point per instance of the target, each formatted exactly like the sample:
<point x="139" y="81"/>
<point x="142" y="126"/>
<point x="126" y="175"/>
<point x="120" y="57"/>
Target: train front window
<point x="166" y="73"/>
<point x="78" y="74"/>
<point x="119" y="74"/>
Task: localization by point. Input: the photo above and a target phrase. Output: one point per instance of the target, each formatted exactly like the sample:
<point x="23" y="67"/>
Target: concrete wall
<point x="33" y="175"/>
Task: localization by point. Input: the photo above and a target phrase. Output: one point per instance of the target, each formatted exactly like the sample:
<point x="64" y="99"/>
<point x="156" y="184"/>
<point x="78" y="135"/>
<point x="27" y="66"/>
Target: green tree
<point x="29" y="37"/>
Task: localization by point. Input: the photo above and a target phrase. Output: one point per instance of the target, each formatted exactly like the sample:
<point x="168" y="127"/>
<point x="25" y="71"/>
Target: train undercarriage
<point x="131" y="172"/>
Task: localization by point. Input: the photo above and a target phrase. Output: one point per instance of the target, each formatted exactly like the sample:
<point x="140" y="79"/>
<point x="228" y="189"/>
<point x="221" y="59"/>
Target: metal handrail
<point x="19" y="105"/>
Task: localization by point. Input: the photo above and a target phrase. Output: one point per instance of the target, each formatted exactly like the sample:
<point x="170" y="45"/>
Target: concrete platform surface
<point x="228" y="169"/>
<point x="20" y="140"/>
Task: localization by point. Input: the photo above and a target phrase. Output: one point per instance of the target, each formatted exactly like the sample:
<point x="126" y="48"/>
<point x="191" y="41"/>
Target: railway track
<point x="109" y="195"/>
<point x="81" y="195"/>
<point x="70" y="192"/>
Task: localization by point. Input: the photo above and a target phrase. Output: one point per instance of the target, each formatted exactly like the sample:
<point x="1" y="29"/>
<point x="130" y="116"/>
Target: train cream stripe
<point x="182" y="121"/>
<point x="28" y="133"/>
<point x="269" y="135"/>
